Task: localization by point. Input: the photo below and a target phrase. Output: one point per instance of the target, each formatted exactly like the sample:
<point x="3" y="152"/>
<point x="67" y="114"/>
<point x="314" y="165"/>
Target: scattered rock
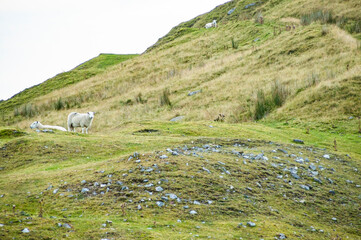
<point x="163" y="157"/>
<point x="66" y="225"/>
<point x="326" y="156"/>
<point x="332" y="192"/>
<point x="249" y="5"/>
<point x="192" y="212"/>
<point x="298" y="141"/>
<point x="231" y="11"/>
<point x="159" y="189"/>
<point x="25" y="230"/>
<point x="251" y="224"/>
<point x="176" y="119"/>
<point x="305" y="187"/>
<point x="160" y="203"/>
<point x="312" y="167"/>
<point x="55" y="191"/>
<point x="281" y="236"/>
<point x="205" y="169"/>
<point x="194" y="92"/>
<point x="284" y="151"/>
<point x="84" y="190"/>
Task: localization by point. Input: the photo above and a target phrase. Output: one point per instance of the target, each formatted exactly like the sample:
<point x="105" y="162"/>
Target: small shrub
<point x="265" y="104"/>
<point x="279" y="94"/>
<point x="258" y="17"/>
<point x="27" y="110"/>
<point x="59" y="104"/>
<point x="234" y="43"/>
<point x="164" y="98"/>
<point x="16" y="112"/>
<point x="313" y="79"/>
<point x="139" y="99"/>
<point x="261" y="106"/>
<point x="318" y="15"/>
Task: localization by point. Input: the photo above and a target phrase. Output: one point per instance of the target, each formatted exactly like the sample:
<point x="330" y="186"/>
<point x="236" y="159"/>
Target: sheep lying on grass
<point x="83" y="120"/>
<point x="211" y="24"/>
<point x="38" y="125"/>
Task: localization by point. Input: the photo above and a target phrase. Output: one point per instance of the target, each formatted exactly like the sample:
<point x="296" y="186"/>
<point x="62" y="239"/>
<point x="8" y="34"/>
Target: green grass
<point x="37" y="160"/>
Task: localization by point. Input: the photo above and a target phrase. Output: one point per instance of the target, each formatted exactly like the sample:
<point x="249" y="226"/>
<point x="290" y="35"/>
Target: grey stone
<point x="298" y="141"/>
<point x="159" y="189"/>
<point x="249" y="5"/>
<point x="305" y="187"/>
<point x="205" y="169"/>
<point x="312" y="167"/>
<point x="83" y="181"/>
<point x="194" y="92"/>
<point x="25" y="230"/>
<point x="294" y="175"/>
<point x="172" y="196"/>
<point x="326" y="156"/>
<point x="176" y="119"/>
<point x="84" y="190"/>
<point x="284" y="151"/>
<point x="281" y="236"/>
<point x="231" y="11"/>
<point x="163" y="157"/>
<point x="317" y="180"/>
<point x="55" y="191"/>
<point x="160" y="203"/>
<point x="251" y="224"/>
<point x="66" y="225"/>
<point x="192" y="212"/>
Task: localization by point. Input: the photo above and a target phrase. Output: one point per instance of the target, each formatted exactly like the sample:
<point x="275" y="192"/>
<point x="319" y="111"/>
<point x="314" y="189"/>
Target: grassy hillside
<point x="19" y="102"/>
<point x="278" y="70"/>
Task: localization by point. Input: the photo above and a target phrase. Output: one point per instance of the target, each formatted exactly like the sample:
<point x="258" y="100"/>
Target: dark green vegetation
<point x="277" y="70"/>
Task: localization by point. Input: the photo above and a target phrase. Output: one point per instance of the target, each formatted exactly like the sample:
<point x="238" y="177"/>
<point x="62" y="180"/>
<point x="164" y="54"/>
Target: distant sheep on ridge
<point x="83" y="120"/>
<point x="38" y="125"/>
<point x="211" y="24"/>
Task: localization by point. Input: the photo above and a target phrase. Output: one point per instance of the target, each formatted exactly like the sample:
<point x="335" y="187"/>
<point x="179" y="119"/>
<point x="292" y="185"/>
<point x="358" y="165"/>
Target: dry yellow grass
<point x="229" y="78"/>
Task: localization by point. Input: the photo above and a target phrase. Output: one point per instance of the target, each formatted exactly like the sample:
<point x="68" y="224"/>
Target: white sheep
<point x="38" y="125"/>
<point x="211" y="24"/>
<point x="83" y="120"/>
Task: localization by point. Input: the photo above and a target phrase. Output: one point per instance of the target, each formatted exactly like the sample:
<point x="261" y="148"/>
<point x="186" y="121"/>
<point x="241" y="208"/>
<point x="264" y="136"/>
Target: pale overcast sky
<point x="41" y="38"/>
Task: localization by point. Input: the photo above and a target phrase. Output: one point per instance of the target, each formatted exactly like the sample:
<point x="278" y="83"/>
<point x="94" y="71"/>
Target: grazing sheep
<point x="38" y="125"/>
<point x="211" y="24"/>
<point x="83" y="120"/>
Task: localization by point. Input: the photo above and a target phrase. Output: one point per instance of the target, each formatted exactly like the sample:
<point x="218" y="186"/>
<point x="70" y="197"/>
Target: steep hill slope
<point x="311" y="67"/>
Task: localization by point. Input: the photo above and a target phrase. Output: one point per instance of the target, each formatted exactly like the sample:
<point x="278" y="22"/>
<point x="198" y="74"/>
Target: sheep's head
<point x="34" y="125"/>
<point x="91" y="115"/>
